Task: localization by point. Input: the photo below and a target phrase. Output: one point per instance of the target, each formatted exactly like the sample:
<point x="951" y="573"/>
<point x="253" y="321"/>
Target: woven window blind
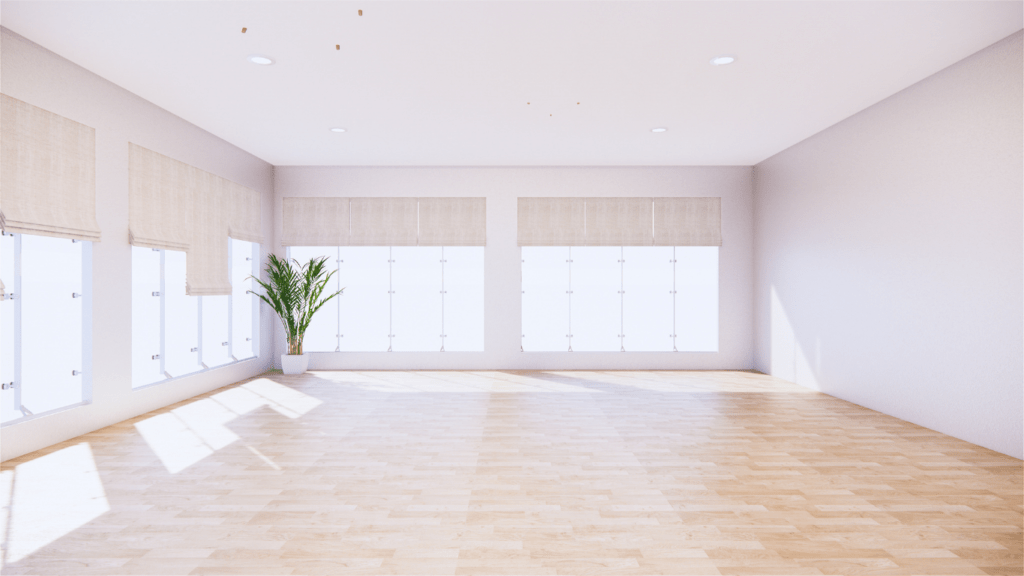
<point x="452" y="221"/>
<point x="315" y="221"/>
<point x="687" y="221"/>
<point x="206" y="261"/>
<point x="244" y="212"/>
<point x="160" y="193"/>
<point x="619" y="222"/>
<point x="383" y="222"/>
<point x="551" y="222"/>
<point x="47" y="173"/>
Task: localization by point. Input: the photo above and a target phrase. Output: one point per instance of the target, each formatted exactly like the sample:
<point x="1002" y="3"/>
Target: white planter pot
<point x="294" y="364"/>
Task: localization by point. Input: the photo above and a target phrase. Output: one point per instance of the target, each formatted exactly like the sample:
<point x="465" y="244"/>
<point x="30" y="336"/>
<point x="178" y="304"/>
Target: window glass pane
<point x="145" y="316"/>
<point x="51" y="323"/>
<point x="181" y="316"/>
<point x="365" y="303"/>
<point x="647" y="301"/>
<point x="322" y="333"/>
<point x="697" y="298"/>
<point x="545" y="298"/>
<point x="241" y="301"/>
<point x="596" y="304"/>
<point x="464" y="298"/>
<point x="416" y="298"/>
<point x="8" y="407"/>
<point x="214" y="316"/>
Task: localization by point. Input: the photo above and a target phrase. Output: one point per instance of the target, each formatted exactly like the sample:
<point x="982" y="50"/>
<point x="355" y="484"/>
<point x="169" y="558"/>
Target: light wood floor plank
<point x="583" y="472"/>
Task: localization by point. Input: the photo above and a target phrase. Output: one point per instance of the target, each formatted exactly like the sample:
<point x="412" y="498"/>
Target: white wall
<point x="888" y="267"/>
<point x="41" y="78"/>
<point x="501" y="187"/>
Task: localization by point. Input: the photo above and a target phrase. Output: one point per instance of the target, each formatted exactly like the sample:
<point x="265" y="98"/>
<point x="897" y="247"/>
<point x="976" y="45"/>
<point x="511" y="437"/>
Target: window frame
<point x="255" y="259"/>
<point x="13" y="293"/>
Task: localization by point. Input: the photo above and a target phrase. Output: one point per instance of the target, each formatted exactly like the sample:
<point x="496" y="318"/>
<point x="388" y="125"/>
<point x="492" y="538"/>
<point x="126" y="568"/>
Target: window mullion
<point x="163" y="314"/>
<point x="18" y="298"/>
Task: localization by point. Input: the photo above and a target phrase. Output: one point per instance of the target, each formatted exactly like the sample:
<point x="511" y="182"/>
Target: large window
<point x="399" y="299"/>
<point x="629" y="299"/>
<point x="174" y="334"/>
<point x="43" y="321"/>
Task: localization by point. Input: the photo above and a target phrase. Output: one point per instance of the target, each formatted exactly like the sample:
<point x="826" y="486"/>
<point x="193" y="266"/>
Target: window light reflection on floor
<point x="48" y="498"/>
<point x="189" y="433"/>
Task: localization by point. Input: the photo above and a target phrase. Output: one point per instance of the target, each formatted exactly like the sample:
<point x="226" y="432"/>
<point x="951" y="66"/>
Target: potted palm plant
<point x="295" y="293"/>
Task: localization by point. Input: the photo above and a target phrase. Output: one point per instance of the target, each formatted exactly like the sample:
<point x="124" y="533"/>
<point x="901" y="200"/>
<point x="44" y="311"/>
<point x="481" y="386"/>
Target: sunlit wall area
<point x="889" y="254"/>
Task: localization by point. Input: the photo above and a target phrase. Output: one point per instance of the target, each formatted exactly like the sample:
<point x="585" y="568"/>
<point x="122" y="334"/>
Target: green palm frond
<point x="295" y="292"/>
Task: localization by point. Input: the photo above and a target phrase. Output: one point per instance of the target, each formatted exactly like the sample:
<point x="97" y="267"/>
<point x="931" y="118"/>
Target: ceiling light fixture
<point x="659" y="129"/>
<point x="337" y="129"/>
<point x="261" y="60"/>
<point x="722" y="60"/>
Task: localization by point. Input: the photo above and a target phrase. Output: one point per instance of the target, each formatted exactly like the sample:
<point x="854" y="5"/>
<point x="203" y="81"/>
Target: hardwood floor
<point x="513" y="473"/>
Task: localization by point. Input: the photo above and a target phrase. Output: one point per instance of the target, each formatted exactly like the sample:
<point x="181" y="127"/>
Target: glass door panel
<point x="545" y="298"/>
<point x="596" y="303"/>
<point x="416" y="298"/>
<point x="647" y="298"/>
<point x="51" y="323"/>
<point x="242" y="259"/>
<point x="181" y="317"/>
<point x="365" y="304"/>
<point x="697" y="298"/>
<point x="464" y="298"/>
<point x="146" y="271"/>
<point x="214" y="316"/>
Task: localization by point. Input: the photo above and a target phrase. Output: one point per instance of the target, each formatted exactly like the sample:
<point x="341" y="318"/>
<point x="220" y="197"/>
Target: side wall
<point x="501" y="187"/>
<point x="41" y="78"/>
<point x="889" y="268"/>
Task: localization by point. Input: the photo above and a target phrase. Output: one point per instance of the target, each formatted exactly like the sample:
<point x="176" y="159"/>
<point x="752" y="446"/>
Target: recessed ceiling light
<point x="659" y="129"/>
<point x="337" y="129"/>
<point x="261" y="60"/>
<point x="722" y="60"/>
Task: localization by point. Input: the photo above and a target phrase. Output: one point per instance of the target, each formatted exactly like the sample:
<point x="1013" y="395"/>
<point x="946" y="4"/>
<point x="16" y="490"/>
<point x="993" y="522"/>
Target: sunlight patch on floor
<point x="52" y="496"/>
<point x="189" y="433"/>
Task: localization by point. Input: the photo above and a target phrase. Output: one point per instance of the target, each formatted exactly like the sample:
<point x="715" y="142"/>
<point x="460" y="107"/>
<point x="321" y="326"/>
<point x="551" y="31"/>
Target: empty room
<point x="512" y="287"/>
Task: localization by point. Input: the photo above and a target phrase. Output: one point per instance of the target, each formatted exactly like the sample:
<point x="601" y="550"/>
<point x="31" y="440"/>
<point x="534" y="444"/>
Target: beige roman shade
<point x="619" y="222"/>
<point x="383" y="222"/>
<point x="174" y="206"/>
<point x="206" y="260"/>
<point x="160" y="193"/>
<point x="452" y="221"/>
<point x="315" y="221"/>
<point x="551" y="222"/>
<point x="47" y="173"/>
<point x="687" y="221"/>
<point x="243" y="212"/>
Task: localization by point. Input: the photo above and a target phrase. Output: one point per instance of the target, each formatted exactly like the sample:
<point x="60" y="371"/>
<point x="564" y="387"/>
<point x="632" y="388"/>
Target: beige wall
<point x="501" y="187"/>
<point x="889" y="254"/>
<point x="41" y="78"/>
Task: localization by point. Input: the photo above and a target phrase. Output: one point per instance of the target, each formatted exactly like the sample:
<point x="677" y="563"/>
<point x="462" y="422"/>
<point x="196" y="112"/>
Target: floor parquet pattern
<point x="513" y="473"/>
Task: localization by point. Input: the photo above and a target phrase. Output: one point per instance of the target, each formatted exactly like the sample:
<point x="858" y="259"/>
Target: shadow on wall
<point x="789" y="360"/>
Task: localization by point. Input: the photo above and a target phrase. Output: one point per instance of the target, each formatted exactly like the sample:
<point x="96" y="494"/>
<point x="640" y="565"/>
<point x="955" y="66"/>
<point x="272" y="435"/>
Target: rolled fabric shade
<point x="315" y="221"/>
<point x="551" y="222"/>
<point x="47" y="173"/>
<point x="206" y="261"/>
<point x="619" y="222"/>
<point x="243" y="212"/>
<point x="687" y="221"/>
<point x="160" y="191"/>
<point x="383" y="222"/>
<point x="452" y="221"/>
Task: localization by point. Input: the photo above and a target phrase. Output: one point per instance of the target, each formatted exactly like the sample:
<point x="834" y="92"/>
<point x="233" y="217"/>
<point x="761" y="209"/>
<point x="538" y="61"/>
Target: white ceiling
<point x="447" y="83"/>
